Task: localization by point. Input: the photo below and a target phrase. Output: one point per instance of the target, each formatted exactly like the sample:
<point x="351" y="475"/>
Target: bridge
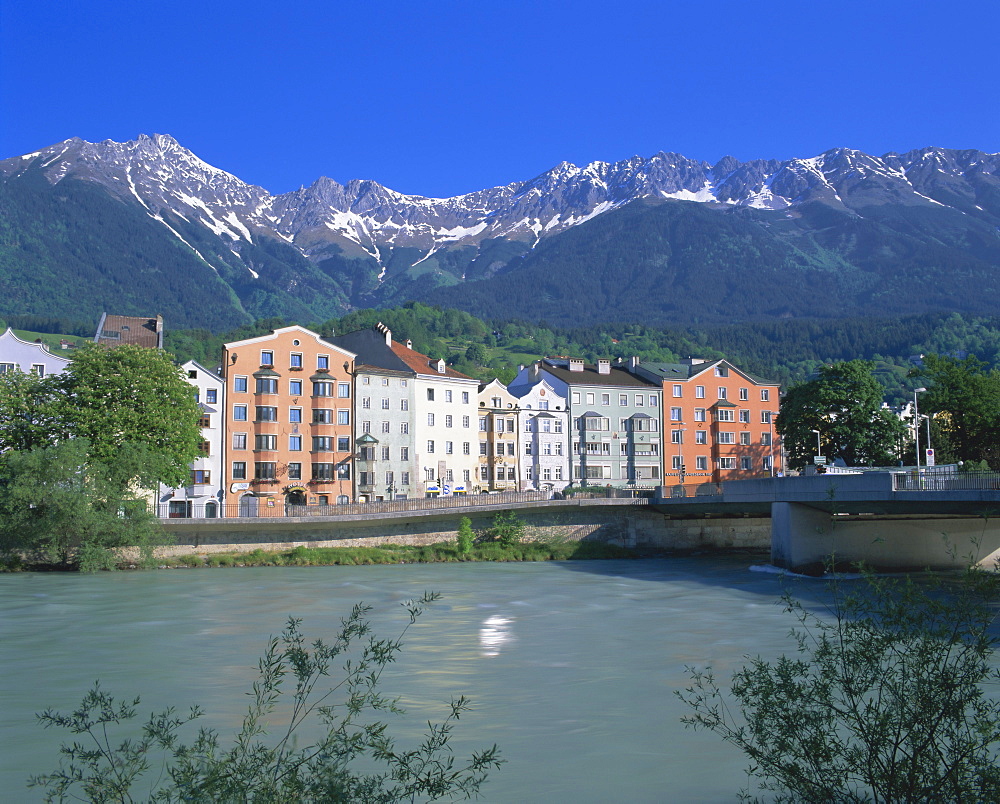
<point x="886" y="519"/>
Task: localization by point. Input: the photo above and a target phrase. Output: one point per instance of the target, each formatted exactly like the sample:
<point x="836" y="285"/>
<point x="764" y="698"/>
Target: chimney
<point x="603" y="366"/>
<point x="692" y="361"/>
<point x="409" y="344"/>
<point x="536" y="370"/>
<point x="576" y="364"/>
<point x="633" y="364"/>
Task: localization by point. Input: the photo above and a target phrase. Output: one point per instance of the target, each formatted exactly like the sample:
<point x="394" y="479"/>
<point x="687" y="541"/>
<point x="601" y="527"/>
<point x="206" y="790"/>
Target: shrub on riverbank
<point x="405" y="554"/>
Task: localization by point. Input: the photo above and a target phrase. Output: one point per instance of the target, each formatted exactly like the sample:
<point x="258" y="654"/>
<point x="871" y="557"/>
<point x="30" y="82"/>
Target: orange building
<point x="718" y="422"/>
<point x="289" y="429"/>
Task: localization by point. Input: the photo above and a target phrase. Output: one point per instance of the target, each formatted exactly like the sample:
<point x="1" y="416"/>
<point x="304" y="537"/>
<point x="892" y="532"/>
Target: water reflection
<point x="494" y="634"/>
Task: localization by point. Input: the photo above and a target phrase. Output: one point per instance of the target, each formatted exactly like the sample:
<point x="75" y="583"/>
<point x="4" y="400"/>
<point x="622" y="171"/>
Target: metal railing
<point x="930" y="480"/>
<point x="273" y="506"/>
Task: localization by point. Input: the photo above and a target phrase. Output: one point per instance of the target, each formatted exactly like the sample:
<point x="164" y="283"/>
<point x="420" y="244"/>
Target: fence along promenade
<point x="495" y="500"/>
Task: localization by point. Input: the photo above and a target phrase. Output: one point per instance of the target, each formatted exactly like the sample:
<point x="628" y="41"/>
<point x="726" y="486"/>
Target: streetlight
<point x="680" y="455"/>
<point x="916" y="426"/>
<point x="770" y="428"/>
<point x="819" y="446"/>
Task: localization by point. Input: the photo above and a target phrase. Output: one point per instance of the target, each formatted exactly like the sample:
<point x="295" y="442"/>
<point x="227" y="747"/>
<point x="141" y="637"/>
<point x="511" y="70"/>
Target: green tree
<point x="29" y="413"/>
<point x="341" y="765"/>
<point x="466" y="536"/>
<point x="885" y="702"/>
<point x="844" y="403"/>
<point x="965" y="396"/>
<point x="476" y="353"/>
<point x="59" y="506"/>
<point x="131" y="395"/>
<point x="507" y="530"/>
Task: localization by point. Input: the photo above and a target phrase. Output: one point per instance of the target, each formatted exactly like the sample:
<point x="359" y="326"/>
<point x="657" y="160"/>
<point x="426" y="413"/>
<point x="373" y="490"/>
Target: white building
<point x="204" y="493"/>
<point x="545" y="435"/>
<point x="21" y="355"/>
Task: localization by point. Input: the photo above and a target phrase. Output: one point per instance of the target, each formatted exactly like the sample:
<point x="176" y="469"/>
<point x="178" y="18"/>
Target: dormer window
<point x="440" y="367"/>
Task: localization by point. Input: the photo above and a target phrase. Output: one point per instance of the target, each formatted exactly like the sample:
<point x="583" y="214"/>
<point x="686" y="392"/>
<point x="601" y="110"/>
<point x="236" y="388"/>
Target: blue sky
<point x="439" y="98"/>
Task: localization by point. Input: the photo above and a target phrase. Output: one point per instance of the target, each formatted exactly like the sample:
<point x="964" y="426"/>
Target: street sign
<point x="819" y="459"/>
<point x="928" y="457"/>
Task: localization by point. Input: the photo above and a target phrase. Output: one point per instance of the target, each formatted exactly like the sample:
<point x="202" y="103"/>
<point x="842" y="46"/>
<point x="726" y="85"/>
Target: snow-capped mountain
<point x="366" y="242"/>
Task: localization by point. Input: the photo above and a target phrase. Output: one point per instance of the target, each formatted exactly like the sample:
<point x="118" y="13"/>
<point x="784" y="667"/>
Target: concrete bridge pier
<point x="804" y="537"/>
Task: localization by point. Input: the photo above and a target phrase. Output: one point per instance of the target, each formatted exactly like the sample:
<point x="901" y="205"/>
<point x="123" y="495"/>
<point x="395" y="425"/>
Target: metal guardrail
<point x="269" y="507"/>
<point x="929" y="480"/>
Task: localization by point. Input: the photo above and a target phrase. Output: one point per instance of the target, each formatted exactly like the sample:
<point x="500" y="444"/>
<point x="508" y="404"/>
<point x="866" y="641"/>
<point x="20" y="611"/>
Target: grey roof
<point x="370" y="347"/>
<point x="640" y="416"/>
<point x="686" y="371"/>
<point x="589" y="376"/>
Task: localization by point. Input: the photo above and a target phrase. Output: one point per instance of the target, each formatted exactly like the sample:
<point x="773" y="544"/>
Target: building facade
<point x="545" y="437"/>
<point x="718" y="421"/>
<point x="289" y="421"/>
<point x="499" y="448"/>
<point x="17" y="354"/>
<point x="615" y="420"/>
<point x="204" y="493"/>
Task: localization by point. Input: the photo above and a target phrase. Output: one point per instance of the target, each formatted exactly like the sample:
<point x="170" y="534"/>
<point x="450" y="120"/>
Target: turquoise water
<point x="571" y="667"/>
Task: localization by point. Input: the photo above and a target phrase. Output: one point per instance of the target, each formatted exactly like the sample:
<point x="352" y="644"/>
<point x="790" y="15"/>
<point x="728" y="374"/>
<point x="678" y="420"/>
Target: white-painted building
<point x="544" y="433"/>
<point x="203" y="495"/>
<point x="17" y="354"/>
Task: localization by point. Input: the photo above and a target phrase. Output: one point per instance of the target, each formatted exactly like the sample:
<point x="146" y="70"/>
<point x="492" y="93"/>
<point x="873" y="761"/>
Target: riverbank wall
<point x="634" y="526"/>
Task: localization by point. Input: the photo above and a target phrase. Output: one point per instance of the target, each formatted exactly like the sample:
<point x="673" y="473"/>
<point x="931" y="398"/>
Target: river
<point x="571" y="666"/>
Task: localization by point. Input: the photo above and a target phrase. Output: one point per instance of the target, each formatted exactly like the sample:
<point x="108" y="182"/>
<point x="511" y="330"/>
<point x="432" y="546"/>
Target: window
<point x="239" y="413"/>
<point x="366" y="402"/>
<point x="678" y="390"/>
<point x="389" y="478"/>
<point x="7" y="368"/>
<point x="590" y="398"/>
<point x="322" y="388"/>
<point x="722" y="392"/>
<point x="576" y="397"/>
<point x="699" y="392"/>
<point x="701" y="463"/>
<point x="700" y="437"/>
<point x="385" y="381"/>
<point x="404" y="453"/>
<point x="605" y="399"/>
<point x="201" y="477"/>
<point x="640" y="400"/>
<point x="546" y="425"/>
<point x="746" y="464"/>
<point x="385" y="427"/>
<point x="404" y="428"/>
<point x="482" y="424"/>
<point x="447" y="421"/>
<point x="721" y="371"/>
<point x="430" y="419"/>
<point x="745" y="416"/>
<point x="405" y="478"/>
<point x="295" y="415"/>
<point x="239" y="440"/>
<point x="295" y="471"/>
<point x="322" y="471"/>
<point x="266" y="385"/>
<point x="447" y="396"/>
<point x="765" y="395"/>
<point x="727" y="463"/>
<point x="744" y="394"/>
<point x="430" y="394"/>
<point x="210" y="396"/>
<point x="267" y="358"/>
<point x="385" y="453"/>
<point x="322" y="416"/>
<point x="765" y="417"/>
<point x="404" y="404"/>
<point x="725" y="438"/>
<point x="482" y="447"/>
<point x="465" y="397"/>
<point x="725" y="415"/>
<point x="343" y="471"/>
<point x="466" y="448"/>
<point x="205" y="420"/>
<point x="430" y="446"/>
<point x="449" y="447"/>
<point x="676" y="437"/>
<point x="343" y="443"/>
<point x="322" y="444"/>
<point x="766" y="463"/>
<point x="295" y="387"/>
<point x="344" y="390"/>
<point x="295" y="360"/>
<point x="558" y="424"/>
<point x="343" y="417"/>
<point x="265" y="442"/>
<point x="322" y="361"/>
<point x="498" y="425"/>
<point x="466" y="421"/>
<point x="266" y="413"/>
<point x="38" y="368"/>
<point x="558" y="473"/>
<point x="675" y="415"/>
<point x="239" y="470"/>
<point x="484" y="472"/>
<point x="385" y="403"/>
<point x="265" y="470"/>
<point x="623" y="400"/>
<point x="699" y="414"/>
<point x="496" y="402"/>
<point x="295" y="443"/>
<point x="543" y="404"/>
<point x="765" y="439"/>
<point x="745" y="438"/>
<point x="559" y="448"/>
<point x="240" y="384"/>
<point x="644" y="425"/>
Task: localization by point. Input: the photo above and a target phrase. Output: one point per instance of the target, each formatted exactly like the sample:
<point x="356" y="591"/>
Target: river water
<point x="571" y="666"/>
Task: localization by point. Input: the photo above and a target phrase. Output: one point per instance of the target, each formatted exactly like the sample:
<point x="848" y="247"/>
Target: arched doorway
<point x="248" y="505"/>
<point x="295" y="496"/>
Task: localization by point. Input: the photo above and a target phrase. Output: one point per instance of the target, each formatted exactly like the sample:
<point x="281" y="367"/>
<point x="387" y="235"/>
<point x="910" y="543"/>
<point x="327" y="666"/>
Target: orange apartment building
<point x="718" y="422"/>
<point x="289" y="428"/>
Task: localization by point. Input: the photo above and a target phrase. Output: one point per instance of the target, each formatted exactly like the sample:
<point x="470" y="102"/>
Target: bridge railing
<point x="929" y="480"/>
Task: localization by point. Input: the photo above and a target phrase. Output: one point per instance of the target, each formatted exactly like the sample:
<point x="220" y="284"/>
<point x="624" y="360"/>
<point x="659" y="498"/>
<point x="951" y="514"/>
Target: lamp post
<point x="770" y="428"/>
<point x="819" y="446"/>
<point x="916" y="427"/>
<point x="680" y="455"/>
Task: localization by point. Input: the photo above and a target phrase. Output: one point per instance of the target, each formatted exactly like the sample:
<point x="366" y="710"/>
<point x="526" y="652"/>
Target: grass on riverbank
<point x="403" y="554"/>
